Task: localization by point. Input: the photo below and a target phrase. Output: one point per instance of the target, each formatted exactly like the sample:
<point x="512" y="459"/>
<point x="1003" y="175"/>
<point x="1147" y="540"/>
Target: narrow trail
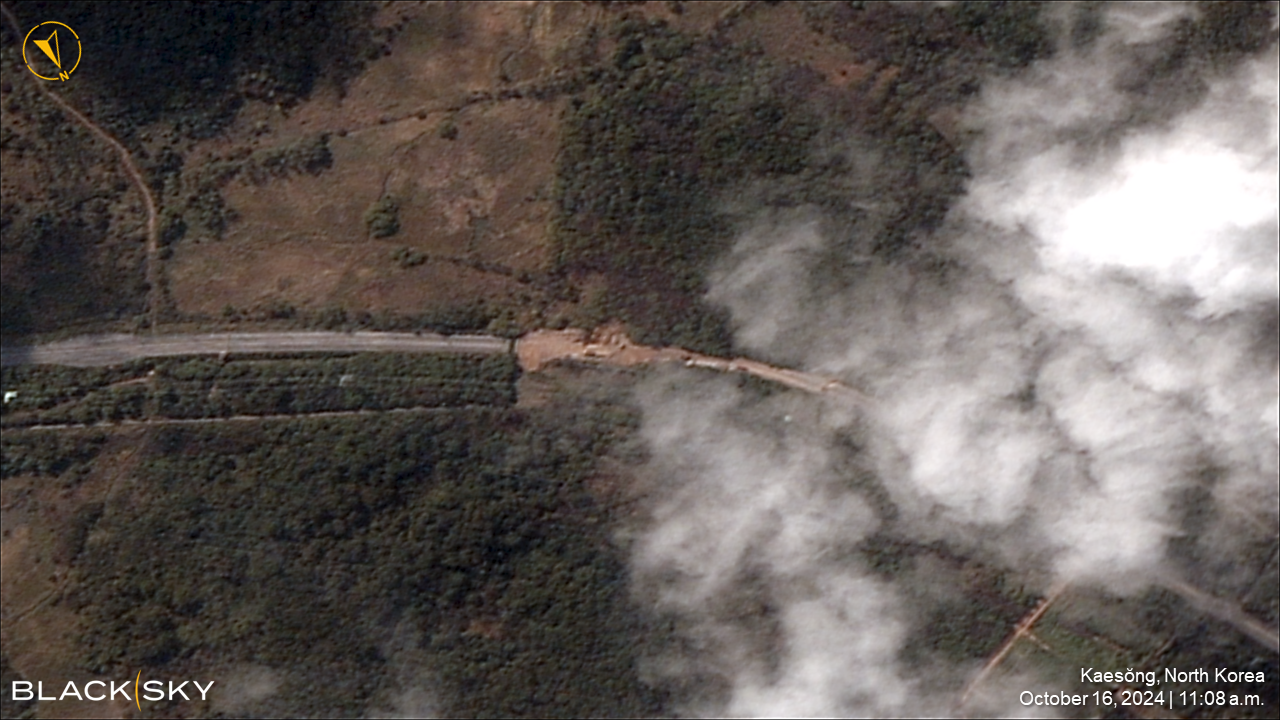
<point x="131" y="169"/>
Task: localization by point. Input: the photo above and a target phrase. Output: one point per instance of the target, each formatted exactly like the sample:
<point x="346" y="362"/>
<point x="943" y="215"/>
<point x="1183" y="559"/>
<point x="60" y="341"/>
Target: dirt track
<point x="135" y="176"/>
<point x="610" y="346"/>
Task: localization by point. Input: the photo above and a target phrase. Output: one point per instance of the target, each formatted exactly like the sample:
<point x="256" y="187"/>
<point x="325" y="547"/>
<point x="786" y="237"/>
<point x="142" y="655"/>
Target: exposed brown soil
<point x="610" y="345"/>
<point x="42" y="523"/>
<point x="482" y="197"/>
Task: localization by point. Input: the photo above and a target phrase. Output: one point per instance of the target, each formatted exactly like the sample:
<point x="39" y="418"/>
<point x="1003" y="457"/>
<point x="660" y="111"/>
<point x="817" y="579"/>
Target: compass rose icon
<point x="45" y="36"/>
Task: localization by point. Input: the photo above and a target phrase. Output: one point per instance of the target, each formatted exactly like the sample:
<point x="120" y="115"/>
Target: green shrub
<point x="383" y="217"/>
<point x="308" y="155"/>
<point x="408" y="257"/>
<point x="448" y="129"/>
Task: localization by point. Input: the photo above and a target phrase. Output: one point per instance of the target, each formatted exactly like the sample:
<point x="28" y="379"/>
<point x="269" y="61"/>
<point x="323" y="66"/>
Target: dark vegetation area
<point x="194" y="63"/>
<point x="50" y="454"/>
<point x="987" y="603"/>
<point x="1196" y="640"/>
<point x="675" y="128"/>
<point x="189" y="65"/>
<point x="308" y="155"/>
<point x="1153" y="631"/>
<point x="203" y="387"/>
<point x="10" y="708"/>
<point x="983" y="35"/>
<point x="383" y="217"/>
<point x="1086" y="627"/>
<point x="649" y="146"/>
<point x="936" y="57"/>
<point x="66" y="278"/>
<point x="407" y="257"/>
<point x="1224" y="32"/>
<point x="49" y="393"/>
<point x="207" y="388"/>
<point x="320" y="546"/>
<point x="67" y="258"/>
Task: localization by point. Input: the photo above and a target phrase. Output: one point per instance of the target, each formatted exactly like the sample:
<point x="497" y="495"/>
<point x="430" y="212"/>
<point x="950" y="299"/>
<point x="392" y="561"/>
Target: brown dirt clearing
<point x="484" y="196"/>
<point x="44" y="520"/>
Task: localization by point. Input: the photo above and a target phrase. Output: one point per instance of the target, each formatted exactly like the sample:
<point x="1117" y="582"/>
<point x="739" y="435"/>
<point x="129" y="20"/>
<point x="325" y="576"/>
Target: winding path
<point x="130" y="168"/>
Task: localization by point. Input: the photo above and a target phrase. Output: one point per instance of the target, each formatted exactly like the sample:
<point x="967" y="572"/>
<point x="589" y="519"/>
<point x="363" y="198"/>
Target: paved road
<point x="97" y="350"/>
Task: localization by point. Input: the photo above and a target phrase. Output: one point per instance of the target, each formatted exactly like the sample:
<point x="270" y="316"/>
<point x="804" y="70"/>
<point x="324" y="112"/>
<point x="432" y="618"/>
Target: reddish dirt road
<point x="609" y="345"/>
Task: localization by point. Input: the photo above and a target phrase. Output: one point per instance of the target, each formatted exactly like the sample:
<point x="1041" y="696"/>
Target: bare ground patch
<point x="45" y="523"/>
<point x="483" y="196"/>
<point x="487" y="194"/>
<point x="304" y="272"/>
<point x="783" y="33"/>
<point x="480" y="193"/>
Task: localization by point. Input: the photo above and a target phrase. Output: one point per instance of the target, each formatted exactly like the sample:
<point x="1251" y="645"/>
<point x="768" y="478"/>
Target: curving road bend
<point x="135" y="175"/>
<point x="100" y="350"/>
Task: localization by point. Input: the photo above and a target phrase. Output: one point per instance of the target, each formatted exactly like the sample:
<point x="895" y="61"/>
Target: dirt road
<point x="130" y="168"/>
<point x="609" y="345"/>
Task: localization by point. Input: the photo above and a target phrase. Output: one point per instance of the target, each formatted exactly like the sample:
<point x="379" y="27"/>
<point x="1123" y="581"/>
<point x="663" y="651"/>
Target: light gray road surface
<point x="97" y="350"/>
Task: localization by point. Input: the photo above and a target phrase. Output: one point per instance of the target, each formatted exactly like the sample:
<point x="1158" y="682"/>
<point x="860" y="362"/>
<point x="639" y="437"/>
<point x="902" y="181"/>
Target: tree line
<point x="204" y="387"/>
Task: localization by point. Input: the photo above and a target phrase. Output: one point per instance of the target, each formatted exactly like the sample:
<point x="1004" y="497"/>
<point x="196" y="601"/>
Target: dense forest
<point x="68" y="258"/>
<point x="648" y="147"/>
<point x="675" y="129"/>
<point x="193" y="64"/>
<point x="320" y="546"/>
